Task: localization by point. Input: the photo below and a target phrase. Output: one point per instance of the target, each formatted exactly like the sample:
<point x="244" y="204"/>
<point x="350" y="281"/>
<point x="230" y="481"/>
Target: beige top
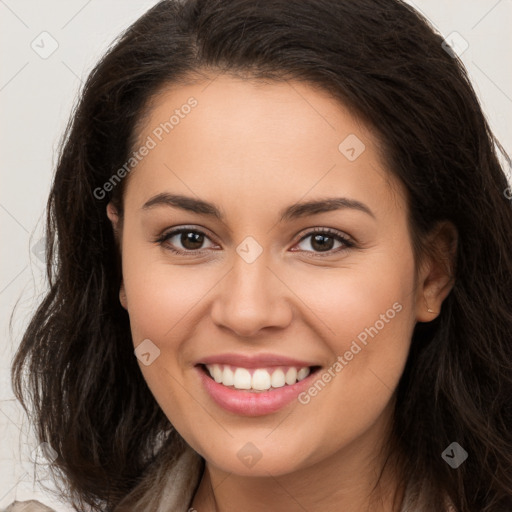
<point x="181" y="485"/>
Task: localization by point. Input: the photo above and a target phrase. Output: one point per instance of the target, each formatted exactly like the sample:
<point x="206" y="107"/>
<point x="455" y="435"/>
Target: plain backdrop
<point x="37" y="92"/>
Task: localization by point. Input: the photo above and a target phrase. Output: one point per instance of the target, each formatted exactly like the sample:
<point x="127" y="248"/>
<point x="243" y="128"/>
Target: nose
<point x="252" y="297"/>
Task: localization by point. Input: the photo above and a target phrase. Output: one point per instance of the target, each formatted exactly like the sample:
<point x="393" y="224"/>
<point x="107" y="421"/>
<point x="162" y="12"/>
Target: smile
<point x="256" y="379"/>
<point x="254" y="391"/>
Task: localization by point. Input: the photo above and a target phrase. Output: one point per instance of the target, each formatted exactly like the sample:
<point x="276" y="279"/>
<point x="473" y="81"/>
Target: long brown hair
<point x="384" y="61"/>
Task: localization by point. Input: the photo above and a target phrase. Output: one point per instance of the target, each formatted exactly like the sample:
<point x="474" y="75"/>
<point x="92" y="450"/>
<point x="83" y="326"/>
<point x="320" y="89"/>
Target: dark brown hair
<point x="382" y="60"/>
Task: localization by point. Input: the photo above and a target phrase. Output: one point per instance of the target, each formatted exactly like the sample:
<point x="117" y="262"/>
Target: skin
<point x="254" y="149"/>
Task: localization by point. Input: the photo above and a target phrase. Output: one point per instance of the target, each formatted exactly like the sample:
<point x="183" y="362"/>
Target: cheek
<point x="372" y="320"/>
<point x="159" y="295"/>
<point x="161" y="299"/>
<point x="341" y="304"/>
<point x="356" y="301"/>
<point x="368" y="317"/>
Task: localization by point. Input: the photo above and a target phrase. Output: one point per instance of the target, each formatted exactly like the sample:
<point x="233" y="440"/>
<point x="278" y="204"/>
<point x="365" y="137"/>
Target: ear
<point x="436" y="275"/>
<point x="122" y="296"/>
<point x="113" y="215"/>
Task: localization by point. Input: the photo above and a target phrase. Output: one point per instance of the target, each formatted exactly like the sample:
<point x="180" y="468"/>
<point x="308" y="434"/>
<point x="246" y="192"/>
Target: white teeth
<point x="242" y="379"/>
<point x="278" y="379"/>
<point x="217" y="373"/>
<point x="302" y="373"/>
<point x="228" y="377"/>
<point x="261" y="379"/>
<point x="291" y="376"/>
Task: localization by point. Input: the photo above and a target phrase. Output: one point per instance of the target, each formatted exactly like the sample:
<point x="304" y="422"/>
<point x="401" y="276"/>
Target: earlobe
<point x="436" y="279"/>
<point x="113" y="215"/>
<point x="122" y="296"/>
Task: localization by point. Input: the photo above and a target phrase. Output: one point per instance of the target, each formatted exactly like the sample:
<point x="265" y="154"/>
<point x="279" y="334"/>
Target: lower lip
<point x="250" y="403"/>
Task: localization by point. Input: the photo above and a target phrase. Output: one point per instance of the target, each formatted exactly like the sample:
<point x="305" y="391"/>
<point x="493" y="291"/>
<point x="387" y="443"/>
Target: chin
<point x="248" y="460"/>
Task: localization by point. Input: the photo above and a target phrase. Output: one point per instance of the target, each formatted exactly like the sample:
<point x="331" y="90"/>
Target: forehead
<point x="245" y="140"/>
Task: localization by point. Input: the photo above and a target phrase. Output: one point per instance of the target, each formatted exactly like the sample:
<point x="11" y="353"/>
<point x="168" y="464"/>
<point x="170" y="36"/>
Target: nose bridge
<point x="251" y="297"/>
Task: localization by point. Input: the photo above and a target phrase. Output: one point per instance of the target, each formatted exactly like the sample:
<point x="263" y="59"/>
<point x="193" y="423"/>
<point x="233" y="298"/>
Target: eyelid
<point x="166" y="235"/>
<point x="347" y="240"/>
<point x="330" y="231"/>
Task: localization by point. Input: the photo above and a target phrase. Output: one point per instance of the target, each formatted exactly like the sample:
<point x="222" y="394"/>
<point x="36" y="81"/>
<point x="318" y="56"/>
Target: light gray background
<point x="36" y="97"/>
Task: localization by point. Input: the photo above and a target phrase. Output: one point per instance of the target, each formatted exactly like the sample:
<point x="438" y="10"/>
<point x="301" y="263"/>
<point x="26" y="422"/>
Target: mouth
<point x="235" y="389"/>
<point x="257" y="380"/>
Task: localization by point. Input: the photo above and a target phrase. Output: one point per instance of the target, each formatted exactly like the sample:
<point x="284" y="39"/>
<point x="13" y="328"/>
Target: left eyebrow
<point x="328" y="204"/>
<point x="294" y="211"/>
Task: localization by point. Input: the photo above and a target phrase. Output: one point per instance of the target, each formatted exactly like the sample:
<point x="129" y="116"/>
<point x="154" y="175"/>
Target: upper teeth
<point x="260" y="380"/>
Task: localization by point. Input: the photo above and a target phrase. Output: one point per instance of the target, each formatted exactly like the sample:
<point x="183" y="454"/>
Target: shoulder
<point x="170" y="487"/>
<point x="28" y="506"/>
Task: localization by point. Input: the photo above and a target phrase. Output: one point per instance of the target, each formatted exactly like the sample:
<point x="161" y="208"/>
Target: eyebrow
<point x="294" y="211"/>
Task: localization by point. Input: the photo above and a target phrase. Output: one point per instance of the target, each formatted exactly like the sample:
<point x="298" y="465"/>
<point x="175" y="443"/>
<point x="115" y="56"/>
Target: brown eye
<point x="191" y="240"/>
<point x="323" y="240"/>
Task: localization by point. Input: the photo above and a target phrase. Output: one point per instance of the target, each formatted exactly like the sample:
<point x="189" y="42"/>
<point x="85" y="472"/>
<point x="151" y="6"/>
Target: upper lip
<point x="255" y="361"/>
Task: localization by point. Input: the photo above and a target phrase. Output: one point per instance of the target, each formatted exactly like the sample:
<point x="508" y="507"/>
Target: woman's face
<point x="258" y="291"/>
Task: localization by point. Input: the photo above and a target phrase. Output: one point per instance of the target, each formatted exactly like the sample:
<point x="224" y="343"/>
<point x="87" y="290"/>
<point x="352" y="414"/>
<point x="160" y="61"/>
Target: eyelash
<point x="326" y="231"/>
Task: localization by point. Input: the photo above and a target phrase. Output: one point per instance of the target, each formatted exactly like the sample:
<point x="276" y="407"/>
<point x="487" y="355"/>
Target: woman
<point x="283" y="272"/>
